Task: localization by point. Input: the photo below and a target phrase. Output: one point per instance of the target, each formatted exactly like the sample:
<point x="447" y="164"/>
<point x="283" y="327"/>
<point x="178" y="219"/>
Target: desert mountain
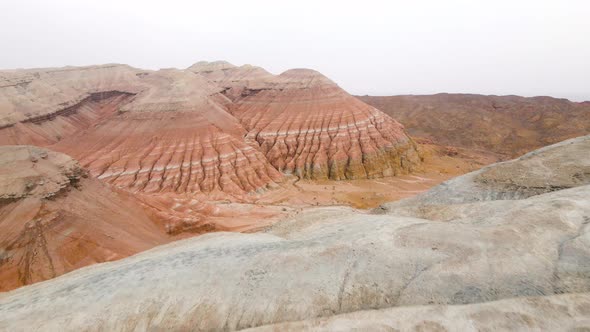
<point x="522" y="252"/>
<point x="178" y="139"/>
<point x="144" y="131"/>
<point x="213" y="128"/>
<point x="176" y="136"/>
<point x="306" y="125"/>
<point x="41" y="107"/>
<point x="54" y="218"/>
<point x="508" y="125"/>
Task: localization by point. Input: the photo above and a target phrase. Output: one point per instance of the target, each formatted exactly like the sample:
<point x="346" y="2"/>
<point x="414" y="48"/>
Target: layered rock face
<point x="37" y="94"/>
<point x="176" y="153"/>
<point x="174" y="137"/>
<point x="214" y="128"/>
<point x="305" y="124"/>
<point x="164" y="131"/>
<point x="331" y="261"/>
<point x="509" y="125"/>
<point x="49" y="129"/>
<point x="54" y="219"/>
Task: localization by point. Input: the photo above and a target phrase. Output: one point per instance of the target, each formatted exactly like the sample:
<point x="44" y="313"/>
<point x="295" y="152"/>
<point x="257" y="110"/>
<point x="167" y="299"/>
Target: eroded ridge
<point x="306" y="125"/>
<point x="31" y="94"/>
<point x="50" y="128"/>
<point x="213" y="127"/>
<point x="163" y="131"/>
<point x="183" y="155"/>
<point x="507" y="125"/>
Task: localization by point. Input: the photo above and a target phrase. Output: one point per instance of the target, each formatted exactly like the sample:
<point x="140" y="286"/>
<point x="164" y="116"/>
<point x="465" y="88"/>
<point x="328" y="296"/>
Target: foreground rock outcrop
<point x="54" y="219"/>
<point x="507" y="125"/>
<point x="543" y="313"/>
<point x="555" y="167"/>
<point x="331" y="261"/>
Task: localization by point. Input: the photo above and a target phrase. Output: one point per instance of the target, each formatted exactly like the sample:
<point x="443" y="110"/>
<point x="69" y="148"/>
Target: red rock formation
<point x="307" y="125"/>
<point x="170" y="152"/>
<point x="172" y="131"/>
<point x="165" y="131"/>
<point x="54" y="219"/>
<point x="174" y="137"/>
<point x="508" y="125"/>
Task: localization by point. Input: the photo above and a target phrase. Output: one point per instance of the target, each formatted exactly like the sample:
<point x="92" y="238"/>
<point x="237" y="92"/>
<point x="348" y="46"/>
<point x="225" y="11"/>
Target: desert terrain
<point x="477" y="252"/>
<point x="223" y="197"/>
<point x="506" y="125"/>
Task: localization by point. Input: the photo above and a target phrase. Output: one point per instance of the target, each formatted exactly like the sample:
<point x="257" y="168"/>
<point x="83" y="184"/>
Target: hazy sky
<point x="526" y="47"/>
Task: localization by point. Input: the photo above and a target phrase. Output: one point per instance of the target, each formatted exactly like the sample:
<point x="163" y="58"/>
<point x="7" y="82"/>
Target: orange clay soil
<point x="185" y="216"/>
<point x="440" y="163"/>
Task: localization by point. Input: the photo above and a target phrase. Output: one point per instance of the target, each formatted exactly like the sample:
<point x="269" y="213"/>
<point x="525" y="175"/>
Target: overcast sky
<point x="524" y="47"/>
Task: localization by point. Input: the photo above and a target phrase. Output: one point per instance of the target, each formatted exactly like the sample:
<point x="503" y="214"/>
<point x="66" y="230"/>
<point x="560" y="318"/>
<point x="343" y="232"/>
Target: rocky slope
<point x="36" y="95"/>
<point x="509" y="125"/>
<point x="332" y="261"/>
<point x="164" y="131"/>
<point x="547" y="313"/>
<point x="555" y="167"/>
<point x="54" y="219"/>
<point x="306" y="125"/>
<point x="214" y="128"/>
<point x="174" y="137"/>
<point x="51" y="128"/>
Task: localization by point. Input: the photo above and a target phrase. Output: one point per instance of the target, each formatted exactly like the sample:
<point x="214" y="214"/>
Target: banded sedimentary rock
<point x="178" y="152"/>
<point x="211" y="128"/>
<point x="54" y="218"/>
<point x="164" y="131"/>
<point x="47" y="129"/>
<point x="330" y="261"/>
<point x="305" y="124"/>
<point x="34" y="93"/>
<point x="175" y="137"/>
<point x="43" y="106"/>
